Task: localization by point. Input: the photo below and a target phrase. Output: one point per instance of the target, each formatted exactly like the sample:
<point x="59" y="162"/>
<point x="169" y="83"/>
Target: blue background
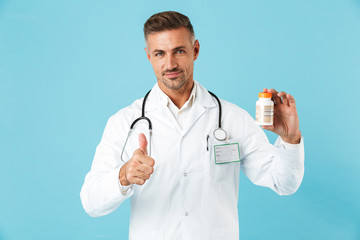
<point x="67" y="66"/>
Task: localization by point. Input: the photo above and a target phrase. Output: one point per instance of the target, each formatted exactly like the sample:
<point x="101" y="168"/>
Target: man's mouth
<point x="173" y="74"/>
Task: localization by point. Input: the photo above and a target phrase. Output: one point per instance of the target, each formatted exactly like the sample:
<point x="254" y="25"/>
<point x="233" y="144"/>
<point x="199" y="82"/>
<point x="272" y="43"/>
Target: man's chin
<point x="173" y="83"/>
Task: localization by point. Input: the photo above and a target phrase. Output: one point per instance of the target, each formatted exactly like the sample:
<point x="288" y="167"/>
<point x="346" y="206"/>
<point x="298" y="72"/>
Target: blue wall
<point x="67" y="66"/>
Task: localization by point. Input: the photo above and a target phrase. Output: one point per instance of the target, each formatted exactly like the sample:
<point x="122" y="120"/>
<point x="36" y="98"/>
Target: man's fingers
<point x="141" y="175"/>
<point x="143" y="143"/>
<point x="148" y="161"/>
<point x="146" y="168"/>
<point x="275" y="97"/>
<point x="291" y="100"/>
<point x="137" y="180"/>
<point x="283" y="97"/>
<point x="287" y="99"/>
<point x="273" y="91"/>
<point x="143" y="159"/>
<point x="138" y="173"/>
<point x="138" y="177"/>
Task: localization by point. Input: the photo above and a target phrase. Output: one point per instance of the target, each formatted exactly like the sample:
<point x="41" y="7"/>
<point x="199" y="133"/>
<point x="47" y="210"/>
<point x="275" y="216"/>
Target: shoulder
<point x="227" y="107"/>
<point x="127" y="113"/>
<point x="233" y="107"/>
<point x="233" y="111"/>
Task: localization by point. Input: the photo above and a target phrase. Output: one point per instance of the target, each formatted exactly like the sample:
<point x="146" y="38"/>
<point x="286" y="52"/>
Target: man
<point x="180" y="191"/>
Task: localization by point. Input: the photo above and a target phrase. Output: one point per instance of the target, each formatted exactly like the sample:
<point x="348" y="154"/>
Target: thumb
<point x="270" y="128"/>
<point x="143" y="143"/>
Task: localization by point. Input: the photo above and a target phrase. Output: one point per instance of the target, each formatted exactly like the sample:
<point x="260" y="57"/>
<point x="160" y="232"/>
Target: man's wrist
<point x="295" y="139"/>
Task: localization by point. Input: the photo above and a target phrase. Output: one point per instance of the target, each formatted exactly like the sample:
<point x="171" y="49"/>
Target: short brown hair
<point x="168" y="20"/>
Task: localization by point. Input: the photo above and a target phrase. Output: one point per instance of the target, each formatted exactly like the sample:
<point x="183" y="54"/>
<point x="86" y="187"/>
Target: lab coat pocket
<point x="223" y="171"/>
<point x="225" y="233"/>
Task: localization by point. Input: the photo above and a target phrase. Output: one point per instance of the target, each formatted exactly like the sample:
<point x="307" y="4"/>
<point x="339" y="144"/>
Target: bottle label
<point x="264" y="115"/>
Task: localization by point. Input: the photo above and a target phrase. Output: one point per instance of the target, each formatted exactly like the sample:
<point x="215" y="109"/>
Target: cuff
<point x="125" y="190"/>
<point x="289" y="146"/>
<point x="291" y="156"/>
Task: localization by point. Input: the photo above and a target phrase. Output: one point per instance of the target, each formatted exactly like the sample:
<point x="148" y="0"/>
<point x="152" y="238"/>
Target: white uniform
<point x="188" y="196"/>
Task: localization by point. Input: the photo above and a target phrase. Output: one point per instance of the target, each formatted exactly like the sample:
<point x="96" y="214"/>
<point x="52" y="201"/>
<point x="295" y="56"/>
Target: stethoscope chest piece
<point x="220" y="134"/>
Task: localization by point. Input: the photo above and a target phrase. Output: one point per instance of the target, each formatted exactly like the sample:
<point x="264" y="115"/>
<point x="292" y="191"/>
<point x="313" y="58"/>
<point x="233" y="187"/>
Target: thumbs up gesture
<point x="139" y="168"/>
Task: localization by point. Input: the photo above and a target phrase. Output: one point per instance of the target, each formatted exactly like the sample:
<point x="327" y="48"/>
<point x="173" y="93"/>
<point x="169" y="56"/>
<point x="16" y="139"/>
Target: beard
<point x="174" y="83"/>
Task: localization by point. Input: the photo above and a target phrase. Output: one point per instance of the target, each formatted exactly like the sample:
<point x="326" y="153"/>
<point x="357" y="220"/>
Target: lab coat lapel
<point x="203" y="101"/>
<point x="155" y="104"/>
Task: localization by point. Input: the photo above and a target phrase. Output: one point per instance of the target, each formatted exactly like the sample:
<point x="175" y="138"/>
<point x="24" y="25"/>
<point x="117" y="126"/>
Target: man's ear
<point x="196" y="49"/>
<point x="147" y="53"/>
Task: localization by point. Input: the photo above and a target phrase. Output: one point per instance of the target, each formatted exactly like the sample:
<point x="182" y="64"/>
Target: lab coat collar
<point x="202" y="98"/>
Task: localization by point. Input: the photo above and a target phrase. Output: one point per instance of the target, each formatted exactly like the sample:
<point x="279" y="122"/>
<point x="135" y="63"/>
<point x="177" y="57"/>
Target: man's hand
<point x="139" y="168"/>
<point x="286" y="120"/>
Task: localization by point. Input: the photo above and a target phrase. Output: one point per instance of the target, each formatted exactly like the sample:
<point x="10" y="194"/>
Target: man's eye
<point x="158" y="54"/>
<point x="180" y="51"/>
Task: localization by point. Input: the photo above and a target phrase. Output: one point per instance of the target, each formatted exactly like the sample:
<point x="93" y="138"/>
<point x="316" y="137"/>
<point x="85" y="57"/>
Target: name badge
<point x="227" y="153"/>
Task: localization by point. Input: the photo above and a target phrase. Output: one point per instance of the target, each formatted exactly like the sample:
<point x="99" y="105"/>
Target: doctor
<point x="181" y="182"/>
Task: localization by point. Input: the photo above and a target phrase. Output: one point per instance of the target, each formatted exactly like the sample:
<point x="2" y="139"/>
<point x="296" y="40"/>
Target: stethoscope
<point x="219" y="133"/>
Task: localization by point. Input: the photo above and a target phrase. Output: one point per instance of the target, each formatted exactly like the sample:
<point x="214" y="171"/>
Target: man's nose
<point x="171" y="62"/>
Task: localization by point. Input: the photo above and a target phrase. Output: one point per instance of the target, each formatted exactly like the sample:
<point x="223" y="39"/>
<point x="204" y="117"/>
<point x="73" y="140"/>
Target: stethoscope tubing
<point x="220" y="110"/>
<point x="143" y="117"/>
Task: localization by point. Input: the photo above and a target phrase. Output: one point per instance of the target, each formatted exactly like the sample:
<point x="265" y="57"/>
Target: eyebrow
<point x="178" y="48"/>
<point x="175" y="49"/>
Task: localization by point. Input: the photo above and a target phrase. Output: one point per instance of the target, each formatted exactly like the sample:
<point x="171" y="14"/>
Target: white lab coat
<point x="188" y="196"/>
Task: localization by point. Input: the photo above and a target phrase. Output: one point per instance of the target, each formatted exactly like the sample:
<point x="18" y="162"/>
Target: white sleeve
<point x="101" y="193"/>
<point x="279" y="166"/>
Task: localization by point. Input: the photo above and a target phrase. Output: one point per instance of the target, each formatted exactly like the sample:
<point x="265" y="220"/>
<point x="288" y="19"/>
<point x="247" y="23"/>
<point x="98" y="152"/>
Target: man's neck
<point x="179" y="96"/>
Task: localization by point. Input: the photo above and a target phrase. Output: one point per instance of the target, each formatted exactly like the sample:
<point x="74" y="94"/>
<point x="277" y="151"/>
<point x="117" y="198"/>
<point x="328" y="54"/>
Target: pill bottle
<point x="265" y="109"/>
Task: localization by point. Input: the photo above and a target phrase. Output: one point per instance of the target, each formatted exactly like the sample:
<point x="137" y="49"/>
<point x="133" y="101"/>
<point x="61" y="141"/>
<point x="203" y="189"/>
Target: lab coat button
<point x="185" y="174"/>
<point x="186" y="213"/>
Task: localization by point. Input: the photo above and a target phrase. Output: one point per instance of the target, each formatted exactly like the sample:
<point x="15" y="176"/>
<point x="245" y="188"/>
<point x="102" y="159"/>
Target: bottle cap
<point x="265" y="95"/>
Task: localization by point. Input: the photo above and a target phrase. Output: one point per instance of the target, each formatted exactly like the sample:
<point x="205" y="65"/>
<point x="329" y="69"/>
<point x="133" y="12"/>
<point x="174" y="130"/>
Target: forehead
<point x="169" y="39"/>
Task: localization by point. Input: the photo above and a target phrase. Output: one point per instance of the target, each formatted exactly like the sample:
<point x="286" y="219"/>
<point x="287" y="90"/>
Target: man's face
<point x="172" y="54"/>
